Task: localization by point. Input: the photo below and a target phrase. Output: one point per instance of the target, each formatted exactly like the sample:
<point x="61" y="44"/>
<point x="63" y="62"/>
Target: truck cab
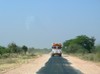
<point x="56" y="49"/>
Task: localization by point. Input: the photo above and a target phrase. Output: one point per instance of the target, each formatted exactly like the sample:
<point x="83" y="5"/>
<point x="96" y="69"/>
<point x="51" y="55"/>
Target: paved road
<point x="58" y="65"/>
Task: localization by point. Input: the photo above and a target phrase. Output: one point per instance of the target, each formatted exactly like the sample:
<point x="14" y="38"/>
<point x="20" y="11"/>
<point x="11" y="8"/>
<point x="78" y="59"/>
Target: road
<point x="57" y="65"/>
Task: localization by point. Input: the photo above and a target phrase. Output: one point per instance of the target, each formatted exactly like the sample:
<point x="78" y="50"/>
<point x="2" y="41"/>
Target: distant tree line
<point x="13" y="48"/>
<point x="82" y="43"/>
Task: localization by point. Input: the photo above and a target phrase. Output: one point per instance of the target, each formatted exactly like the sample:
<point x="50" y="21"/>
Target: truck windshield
<point x="56" y="47"/>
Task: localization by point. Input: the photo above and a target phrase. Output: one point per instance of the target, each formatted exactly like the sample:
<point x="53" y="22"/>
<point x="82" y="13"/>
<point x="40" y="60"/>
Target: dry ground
<point x="85" y="67"/>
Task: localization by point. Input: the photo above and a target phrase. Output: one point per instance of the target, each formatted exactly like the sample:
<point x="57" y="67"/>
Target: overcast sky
<point x="39" y="23"/>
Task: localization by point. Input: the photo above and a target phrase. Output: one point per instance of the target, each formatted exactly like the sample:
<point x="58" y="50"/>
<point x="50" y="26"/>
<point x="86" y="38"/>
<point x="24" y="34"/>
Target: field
<point x="8" y="62"/>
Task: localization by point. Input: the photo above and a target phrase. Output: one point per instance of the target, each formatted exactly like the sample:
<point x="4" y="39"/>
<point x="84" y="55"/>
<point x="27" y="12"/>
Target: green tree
<point x="13" y="48"/>
<point x="25" y="48"/>
<point x="84" y="41"/>
<point x="2" y="50"/>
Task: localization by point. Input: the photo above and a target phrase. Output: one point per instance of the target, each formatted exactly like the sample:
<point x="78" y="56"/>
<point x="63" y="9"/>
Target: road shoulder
<point x="86" y="67"/>
<point x="30" y="68"/>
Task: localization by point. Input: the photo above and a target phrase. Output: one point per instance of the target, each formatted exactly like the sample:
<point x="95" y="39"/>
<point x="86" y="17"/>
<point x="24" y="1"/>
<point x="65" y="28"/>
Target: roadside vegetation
<point x="14" y="55"/>
<point x="84" y="47"/>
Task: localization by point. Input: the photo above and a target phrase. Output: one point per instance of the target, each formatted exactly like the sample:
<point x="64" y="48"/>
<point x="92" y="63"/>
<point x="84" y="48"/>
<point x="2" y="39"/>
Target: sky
<point x="39" y="23"/>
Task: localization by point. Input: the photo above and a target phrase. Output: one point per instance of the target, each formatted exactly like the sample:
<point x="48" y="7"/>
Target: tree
<point x="2" y="50"/>
<point x="86" y="42"/>
<point x="25" y="48"/>
<point x="80" y="41"/>
<point x="13" y="48"/>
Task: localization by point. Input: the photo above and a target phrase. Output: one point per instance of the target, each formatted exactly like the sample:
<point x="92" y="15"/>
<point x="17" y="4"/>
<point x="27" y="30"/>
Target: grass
<point x="95" y="57"/>
<point x="13" y="61"/>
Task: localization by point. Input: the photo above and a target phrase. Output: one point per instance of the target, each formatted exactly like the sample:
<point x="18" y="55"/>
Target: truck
<point x="56" y="49"/>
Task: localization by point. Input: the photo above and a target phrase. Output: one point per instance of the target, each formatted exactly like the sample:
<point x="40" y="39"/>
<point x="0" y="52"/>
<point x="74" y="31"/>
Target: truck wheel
<point x="52" y="55"/>
<point x="60" y="55"/>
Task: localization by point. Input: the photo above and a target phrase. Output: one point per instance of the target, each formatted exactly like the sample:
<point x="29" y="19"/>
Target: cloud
<point x="29" y="22"/>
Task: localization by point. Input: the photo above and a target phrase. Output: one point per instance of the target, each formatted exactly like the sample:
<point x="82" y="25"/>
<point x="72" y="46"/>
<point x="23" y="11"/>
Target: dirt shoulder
<point x="86" y="67"/>
<point x="30" y="68"/>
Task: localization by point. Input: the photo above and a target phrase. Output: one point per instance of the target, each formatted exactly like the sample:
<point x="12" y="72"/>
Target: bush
<point x="97" y="57"/>
<point x="91" y="57"/>
<point x="88" y="57"/>
<point x="5" y="55"/>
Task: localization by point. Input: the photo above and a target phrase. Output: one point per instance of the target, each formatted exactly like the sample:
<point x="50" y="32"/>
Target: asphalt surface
<point x="58" y="65"/>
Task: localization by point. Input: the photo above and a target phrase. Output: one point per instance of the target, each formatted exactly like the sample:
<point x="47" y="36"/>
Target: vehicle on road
<point x="56" y="49"/>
